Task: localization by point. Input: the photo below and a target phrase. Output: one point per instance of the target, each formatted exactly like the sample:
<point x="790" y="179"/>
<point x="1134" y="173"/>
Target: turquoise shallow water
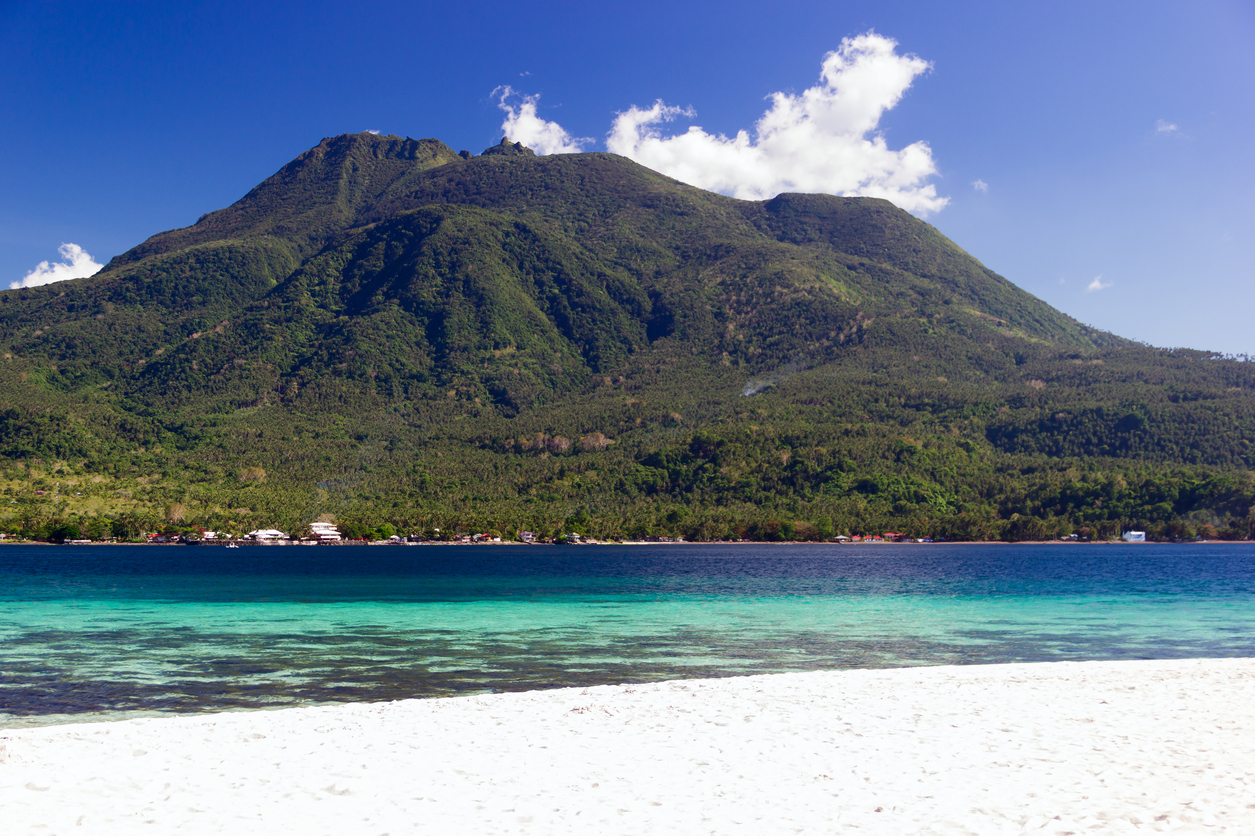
<point x="101" y="632"/>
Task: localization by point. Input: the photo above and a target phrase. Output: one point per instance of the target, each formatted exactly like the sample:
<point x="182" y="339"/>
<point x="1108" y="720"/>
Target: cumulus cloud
<point x="823" y="139"/>
<point x="980" y="185"/>
<point x="75" y="264"/>
<point x="522" y="124"/>
<point x="1163" y="126"/>
<point x="1097" y="284"/>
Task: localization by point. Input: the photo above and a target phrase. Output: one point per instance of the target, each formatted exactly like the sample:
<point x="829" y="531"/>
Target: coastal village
<point x="325" y="533"/>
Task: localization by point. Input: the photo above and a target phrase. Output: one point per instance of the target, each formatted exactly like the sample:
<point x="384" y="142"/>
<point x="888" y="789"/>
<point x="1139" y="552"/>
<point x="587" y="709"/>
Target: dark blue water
<point x="91" y="632"/>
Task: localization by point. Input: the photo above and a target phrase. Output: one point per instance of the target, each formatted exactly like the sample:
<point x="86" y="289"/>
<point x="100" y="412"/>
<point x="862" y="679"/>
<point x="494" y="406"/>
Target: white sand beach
<point x="1093" y="747"/>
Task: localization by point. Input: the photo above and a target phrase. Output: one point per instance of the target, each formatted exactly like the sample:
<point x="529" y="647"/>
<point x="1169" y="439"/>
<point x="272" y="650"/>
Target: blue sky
<point x="1113" y="139"/>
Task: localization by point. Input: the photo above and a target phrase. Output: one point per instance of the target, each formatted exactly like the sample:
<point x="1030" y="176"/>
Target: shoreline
<point x="794" y="543"/>
<point x="1052" y="747"/>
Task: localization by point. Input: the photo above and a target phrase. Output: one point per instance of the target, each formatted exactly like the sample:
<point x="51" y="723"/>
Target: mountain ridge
<point x="380" y="299"/>
<point x="263" y="207"/>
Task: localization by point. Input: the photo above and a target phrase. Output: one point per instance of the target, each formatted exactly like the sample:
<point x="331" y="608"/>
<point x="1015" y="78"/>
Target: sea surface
<point x="105" y="632"/>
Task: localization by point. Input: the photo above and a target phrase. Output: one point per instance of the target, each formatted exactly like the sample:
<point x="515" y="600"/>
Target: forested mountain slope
<point x="387" y="330"/>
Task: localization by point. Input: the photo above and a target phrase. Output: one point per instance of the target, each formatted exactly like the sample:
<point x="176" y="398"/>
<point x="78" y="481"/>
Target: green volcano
<point x="389" y="331"/>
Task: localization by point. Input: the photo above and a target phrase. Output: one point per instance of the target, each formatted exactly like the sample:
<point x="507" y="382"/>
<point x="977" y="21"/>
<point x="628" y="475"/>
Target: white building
<point x="324" y="532"/>
<point x="1135" y="537"/>
<point x="266" y="534"/>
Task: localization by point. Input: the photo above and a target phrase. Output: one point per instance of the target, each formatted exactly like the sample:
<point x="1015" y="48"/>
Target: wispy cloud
<point x="824" y="139"/>
<point x="1163" y="126"/>
<point x="76" y="264"/>
<point x="980" y="185"/>
<point x="372" y="131"/>
<point x="522" y="124"/>
<point x="1097" y="284"/>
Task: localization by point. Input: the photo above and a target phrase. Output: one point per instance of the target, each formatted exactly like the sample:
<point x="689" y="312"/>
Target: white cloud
<point x="821" y="140"/>
<point x="370" y="131"/>
<point x="1097" y="284"/>
<point x="1165" y="127"/>
<point x="980" y="185"/>
<point x="76" y="264"/>
<point x="522" y="124"/>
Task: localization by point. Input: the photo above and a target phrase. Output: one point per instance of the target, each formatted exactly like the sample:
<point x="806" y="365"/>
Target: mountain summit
<point x="413" y="298"/>
<point x="566" y="266"/>
<point x="506" y="148"/>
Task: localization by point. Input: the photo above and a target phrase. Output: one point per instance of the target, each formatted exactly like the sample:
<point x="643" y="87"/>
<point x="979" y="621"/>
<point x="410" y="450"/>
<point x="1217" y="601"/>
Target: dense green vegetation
<point x="392" y="334"/>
